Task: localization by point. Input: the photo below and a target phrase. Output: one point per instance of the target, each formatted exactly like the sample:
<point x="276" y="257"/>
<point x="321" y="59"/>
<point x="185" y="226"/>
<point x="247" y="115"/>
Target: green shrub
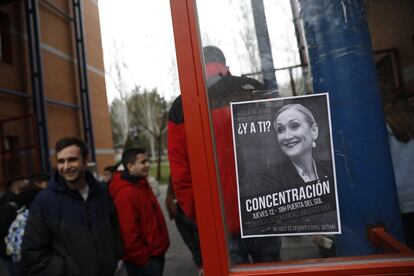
<point x="165" y="172"/>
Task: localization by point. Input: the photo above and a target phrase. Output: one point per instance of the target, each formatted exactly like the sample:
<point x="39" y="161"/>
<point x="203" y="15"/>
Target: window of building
<point x="5" y="38"/>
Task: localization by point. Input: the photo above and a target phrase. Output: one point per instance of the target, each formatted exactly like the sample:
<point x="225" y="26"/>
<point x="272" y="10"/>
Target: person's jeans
<point x="266" y="249"/>
<point x="155" y="267"/>
<point x="189" y="232"/>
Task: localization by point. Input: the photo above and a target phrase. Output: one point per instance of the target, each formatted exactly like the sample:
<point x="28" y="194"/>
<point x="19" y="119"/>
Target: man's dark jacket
<point x="66" y="235"/>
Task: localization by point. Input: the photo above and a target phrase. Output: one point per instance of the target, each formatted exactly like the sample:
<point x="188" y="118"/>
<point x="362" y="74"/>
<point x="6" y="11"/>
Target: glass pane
<point x="255" y="53"/>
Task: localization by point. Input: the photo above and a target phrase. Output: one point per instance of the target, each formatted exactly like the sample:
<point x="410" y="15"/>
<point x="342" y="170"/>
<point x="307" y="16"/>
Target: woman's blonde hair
<point x="306" y="112"/>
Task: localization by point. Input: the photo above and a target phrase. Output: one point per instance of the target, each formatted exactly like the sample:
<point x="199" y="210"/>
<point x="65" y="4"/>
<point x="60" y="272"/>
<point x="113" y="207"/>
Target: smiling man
<point x="143" y="228"/>
<point x="72" y="227"/>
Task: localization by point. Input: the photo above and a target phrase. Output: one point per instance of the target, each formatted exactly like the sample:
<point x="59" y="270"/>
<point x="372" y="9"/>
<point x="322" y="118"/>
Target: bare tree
<point x="119" y="111"/>
<point x="149" y="111"/>
<point x="119" y="121"/>
<point x="247" y="34"/>
<point x="136" y="112"/>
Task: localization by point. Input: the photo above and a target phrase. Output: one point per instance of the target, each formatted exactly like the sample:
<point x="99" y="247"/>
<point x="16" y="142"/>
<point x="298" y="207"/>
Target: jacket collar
<point x="125" y="175"/>
<point x="58" y="184"/>
<point x="118" y="182"/>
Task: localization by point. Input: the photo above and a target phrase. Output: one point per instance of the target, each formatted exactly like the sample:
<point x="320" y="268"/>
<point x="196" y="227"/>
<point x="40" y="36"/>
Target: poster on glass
<point x="285" y="166"/>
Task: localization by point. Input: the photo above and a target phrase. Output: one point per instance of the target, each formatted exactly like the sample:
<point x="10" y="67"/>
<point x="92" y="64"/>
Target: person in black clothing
<point x="72" y="227"/>
<point x="9" y="204"/>
<point x="25" y="197"/>
<point x="40" y="180"/>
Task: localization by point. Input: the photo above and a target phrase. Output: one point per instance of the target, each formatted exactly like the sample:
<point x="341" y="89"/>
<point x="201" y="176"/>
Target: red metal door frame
<point x="199" y="137"/>
<point x="204" y="174"/>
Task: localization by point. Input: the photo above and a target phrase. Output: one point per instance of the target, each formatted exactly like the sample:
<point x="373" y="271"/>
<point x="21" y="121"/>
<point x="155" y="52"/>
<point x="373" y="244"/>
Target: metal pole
<point x="341" y="62"/>
<point x="83" y="77"/>
<point x="301" y="46"/>
<point x="292" y="83"/>
<point x="263" y="41"/>
<point x="39" y="107"/>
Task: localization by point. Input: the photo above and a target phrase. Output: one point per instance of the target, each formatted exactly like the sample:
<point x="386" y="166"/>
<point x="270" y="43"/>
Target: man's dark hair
<point x="213" y="54"/>
<point x="112" y="168"/>
<point x="16" y="179"/>
<point x="69" y="141"/>
<point x="39" y="177"/>
<point x="130" y="155"/>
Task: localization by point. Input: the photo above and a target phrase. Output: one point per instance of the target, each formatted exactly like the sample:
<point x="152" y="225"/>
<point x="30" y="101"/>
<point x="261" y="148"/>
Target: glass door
<point x="273" y="92"/>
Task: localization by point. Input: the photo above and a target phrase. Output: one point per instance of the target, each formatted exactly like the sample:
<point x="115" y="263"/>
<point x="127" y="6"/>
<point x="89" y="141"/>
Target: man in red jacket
<point x="143" y="228"/>
<point x="223" y="88"/>
<point x="181" y="183"/>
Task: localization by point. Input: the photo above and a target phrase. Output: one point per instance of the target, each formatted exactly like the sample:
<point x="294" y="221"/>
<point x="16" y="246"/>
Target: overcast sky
<point x="142" y="31"/>
<point x="139" y="33"/>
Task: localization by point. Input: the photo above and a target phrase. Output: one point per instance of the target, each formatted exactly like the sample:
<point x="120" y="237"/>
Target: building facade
<point x="52" y="84"/>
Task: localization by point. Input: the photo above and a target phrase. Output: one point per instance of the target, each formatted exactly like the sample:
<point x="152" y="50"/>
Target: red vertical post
<point x="200" y="146"/>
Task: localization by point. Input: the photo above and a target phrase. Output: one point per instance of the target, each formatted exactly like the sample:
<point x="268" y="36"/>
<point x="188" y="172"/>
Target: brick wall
<point x="60" y="75"/>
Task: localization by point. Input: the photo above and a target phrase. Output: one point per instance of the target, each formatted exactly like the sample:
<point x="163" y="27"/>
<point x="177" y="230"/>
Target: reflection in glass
<point x="232" y="27"/>
<point x="224" y="88"/>
<point x="246" y="71"/>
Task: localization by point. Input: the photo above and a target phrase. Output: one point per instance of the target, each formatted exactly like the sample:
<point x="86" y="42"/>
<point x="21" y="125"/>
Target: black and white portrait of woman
<point x="286" y="178"/>
<point x="297" y="135"/>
